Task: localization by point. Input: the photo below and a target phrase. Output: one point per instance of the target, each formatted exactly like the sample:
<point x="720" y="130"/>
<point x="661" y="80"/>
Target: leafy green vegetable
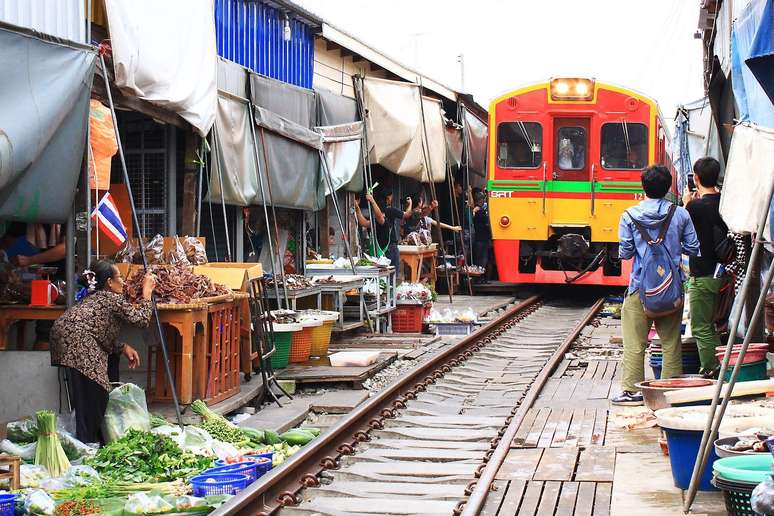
<point x="145" y="457"/>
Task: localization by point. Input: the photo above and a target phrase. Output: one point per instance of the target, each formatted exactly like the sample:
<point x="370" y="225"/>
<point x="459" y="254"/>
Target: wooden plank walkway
<point x="567" y="458"/>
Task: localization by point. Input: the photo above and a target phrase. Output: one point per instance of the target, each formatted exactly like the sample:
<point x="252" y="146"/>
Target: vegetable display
<point x="73" y="508"/>
<point x="49" y="452"/>
<point x="218" y="426"/>
<point x="147" y="457"/>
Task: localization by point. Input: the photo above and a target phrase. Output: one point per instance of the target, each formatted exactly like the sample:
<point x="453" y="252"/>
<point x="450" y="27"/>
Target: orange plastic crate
<point x="408" y="319"/>
<point x="301" y="345"/>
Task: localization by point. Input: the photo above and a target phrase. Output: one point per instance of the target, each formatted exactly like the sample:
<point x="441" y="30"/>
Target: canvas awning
<point x="475" y="133"/>
<point x="760" y="57"/>
<point x="337" y="110"/>
<point x="453" y="137"/>
<point x="342" y="146"/>
<point x="44" y="115"/>
<point x="165" y="58"/>
<point x="394" y="119"/>
<point x="750" y="54"/>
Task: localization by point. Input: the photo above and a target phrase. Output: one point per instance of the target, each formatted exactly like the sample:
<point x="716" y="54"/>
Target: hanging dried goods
<point x="174" y="284"/>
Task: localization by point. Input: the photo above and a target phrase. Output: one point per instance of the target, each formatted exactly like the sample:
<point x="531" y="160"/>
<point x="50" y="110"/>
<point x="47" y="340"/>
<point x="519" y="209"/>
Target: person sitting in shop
<point x="87" y="333"/>
<point x="386" y="215"/>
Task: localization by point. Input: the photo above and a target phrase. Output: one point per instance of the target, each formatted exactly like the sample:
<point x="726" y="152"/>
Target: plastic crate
<point x="7" y="504"/>
<point x="282" y="343"/>
<point x="247" y="468"/>
<point x="228" y="484"/>
<point x="736" y="496"/>
<point x="301" y="346"/>
<point x="321" y="339"/>
<point x="263" y="462"/>
<point x="452" y="329"/>
<point x="408" y="318"/>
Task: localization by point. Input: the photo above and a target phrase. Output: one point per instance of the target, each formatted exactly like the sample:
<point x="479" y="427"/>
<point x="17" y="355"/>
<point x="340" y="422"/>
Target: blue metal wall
<point x="251" y="33"/>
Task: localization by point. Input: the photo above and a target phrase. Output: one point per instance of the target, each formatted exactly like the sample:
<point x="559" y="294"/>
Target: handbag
<point x="724" y="246"/>
<point x="724" y="303"/>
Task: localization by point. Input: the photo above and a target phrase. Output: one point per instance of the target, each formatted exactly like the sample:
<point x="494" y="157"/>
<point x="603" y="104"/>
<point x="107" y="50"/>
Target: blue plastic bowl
<point x="7" y="504"/>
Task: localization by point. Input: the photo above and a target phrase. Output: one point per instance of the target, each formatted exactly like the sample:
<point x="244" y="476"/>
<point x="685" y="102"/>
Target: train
<point x="565" y="158"/>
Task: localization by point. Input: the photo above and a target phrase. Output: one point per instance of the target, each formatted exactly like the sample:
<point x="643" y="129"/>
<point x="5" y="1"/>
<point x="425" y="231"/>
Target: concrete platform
<point x="339" y="402"/>
<point x="291" y="414"/>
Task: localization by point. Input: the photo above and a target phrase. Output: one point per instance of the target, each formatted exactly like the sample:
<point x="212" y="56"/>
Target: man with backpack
<point x="654" y="233"/>
<point x="706" y="271"/>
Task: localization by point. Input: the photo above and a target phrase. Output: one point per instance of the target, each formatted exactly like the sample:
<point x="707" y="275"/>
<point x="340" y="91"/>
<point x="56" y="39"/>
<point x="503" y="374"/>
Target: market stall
<point x="336" y="289"/>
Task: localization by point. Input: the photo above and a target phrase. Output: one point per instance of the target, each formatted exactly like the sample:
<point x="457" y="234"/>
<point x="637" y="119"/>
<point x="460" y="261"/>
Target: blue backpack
<point x="661" y="291"/>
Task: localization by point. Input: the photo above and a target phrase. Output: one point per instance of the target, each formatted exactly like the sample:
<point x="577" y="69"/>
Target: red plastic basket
<point x="408" y="319"/>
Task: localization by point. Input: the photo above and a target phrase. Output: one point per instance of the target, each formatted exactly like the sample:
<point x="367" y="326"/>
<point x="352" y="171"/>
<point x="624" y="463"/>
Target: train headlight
<point x="567" y="88"/>
<point x="505" y="221"/>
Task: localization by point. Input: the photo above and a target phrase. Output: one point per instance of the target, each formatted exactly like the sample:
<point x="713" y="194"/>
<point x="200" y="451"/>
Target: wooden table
<point x="414" y="260"/>
<point x="11" y="314"/>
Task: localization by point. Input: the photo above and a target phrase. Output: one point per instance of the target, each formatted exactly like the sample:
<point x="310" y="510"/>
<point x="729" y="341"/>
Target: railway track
<point x="419" y="446"/>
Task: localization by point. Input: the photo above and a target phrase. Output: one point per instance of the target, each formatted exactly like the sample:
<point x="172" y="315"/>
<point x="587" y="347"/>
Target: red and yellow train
<point x="565" y="158"/>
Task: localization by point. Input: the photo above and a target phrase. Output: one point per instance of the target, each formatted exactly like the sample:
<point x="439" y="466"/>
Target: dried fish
<point x="292" y="282"/>
<point x="175" y="284"/>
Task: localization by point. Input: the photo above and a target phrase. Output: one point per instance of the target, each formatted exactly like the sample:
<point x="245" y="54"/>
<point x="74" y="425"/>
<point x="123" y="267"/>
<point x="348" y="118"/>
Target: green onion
<point x="49" y="452"/>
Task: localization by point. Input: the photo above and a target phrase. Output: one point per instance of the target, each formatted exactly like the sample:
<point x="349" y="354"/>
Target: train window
<point x="571" y="148"/>
<point x="624" y="146"/>
<point x="519" y="145"/>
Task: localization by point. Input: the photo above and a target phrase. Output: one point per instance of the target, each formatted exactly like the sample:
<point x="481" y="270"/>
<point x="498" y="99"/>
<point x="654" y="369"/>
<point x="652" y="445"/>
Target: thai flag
<point x="109" y="221"/>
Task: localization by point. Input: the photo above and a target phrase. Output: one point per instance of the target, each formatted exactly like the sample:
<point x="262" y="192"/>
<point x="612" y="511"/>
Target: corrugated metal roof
<point x="252" y="34"/>
<point x="62" y="18"/>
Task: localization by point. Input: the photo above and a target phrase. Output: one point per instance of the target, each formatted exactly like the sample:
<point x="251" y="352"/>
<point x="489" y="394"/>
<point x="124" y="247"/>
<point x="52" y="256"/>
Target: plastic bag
<point x="128" y="253"/>
<point x="196" y="440"/>
<point x="50" y="485"/>
<point x="467" y="315"/>
<point x="154" y="251"/>
<point x="141" y="503"/>
<point x="194" y="250"/>
<point x="223" y="450"/>
<point x="75" y="449"/>
<point x="78" y="476"/>
<point x="126" y="409"/>
<point x="38" y="502"/>
<point x="30" y="476"/>
<point x="762" y="498"/>
<point x="176" y="255"/>
<point x="24" y="431"/>
<point x="25" y="451"/>
<point x="187" y="503"/>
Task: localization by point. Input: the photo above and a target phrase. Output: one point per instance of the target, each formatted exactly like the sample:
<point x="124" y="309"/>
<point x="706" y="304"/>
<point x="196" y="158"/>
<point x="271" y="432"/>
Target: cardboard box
<point x="234" y="275"/>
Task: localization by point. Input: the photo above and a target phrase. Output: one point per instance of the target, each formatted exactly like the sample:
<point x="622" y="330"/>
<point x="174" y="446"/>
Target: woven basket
<point x="321" y="339"/>
<point x="301" y="345"/>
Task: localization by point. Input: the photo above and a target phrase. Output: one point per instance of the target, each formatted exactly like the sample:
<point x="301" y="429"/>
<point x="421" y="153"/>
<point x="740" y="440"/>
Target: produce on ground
<point x="297" y="436"/>
<point x="100" y="490"/>
<point x="219" y="427"/>
<point x="175" y="284"/>
<point x="77" y="508"/>
<point x="147" y="457"/>
<point x="49" y="452"/>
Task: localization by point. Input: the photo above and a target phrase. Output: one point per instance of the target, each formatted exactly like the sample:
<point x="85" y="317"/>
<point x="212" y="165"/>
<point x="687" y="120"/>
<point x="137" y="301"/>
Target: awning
<point x="166" y="58"/>
<point x="395" y="135"/>
<point x="332" y="110"/>
<point x="453" y="137"/>
<point x="342" y="144"/>
<point x="44" y="113"/>
<point x="475" y="133"/>
<point x="749" y="173"/>
<point x="760" y="59"/>
<point x="288" y="148"/>
<point x="750" y="29"/>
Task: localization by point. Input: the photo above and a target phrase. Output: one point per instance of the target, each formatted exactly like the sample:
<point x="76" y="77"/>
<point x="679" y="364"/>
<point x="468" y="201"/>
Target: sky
<point x="647" y="46"/>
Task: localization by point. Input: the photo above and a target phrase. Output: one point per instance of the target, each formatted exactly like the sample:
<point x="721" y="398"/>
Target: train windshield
<point x="571" y="148"/>
<point x="519" y="145"/>
<point x="624" y="146"/>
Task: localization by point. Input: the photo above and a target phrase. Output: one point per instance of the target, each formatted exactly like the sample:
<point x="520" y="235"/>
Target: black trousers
<point x="481" y="253"/>
<point x="89" y="400"/>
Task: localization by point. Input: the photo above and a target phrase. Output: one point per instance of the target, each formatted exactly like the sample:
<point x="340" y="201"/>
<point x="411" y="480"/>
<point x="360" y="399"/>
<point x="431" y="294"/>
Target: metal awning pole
<point x="222" y="197"/>
<point x="199" y="196"/>
<point x="263" y="198"/>
<point x="713" y="419"/>
<point x="136" y="220"/>
<point x="368" y="179"/>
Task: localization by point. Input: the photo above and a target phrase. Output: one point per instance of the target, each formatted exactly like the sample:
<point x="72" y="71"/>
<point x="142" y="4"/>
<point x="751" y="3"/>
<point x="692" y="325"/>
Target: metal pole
<point x="713" y="423"/>
<point x="199" y="197"/>
<point x="368" y="179"/>
<point x="263" y="198"/>
<point x="87" y="188"/>
<point x="429" y="170"/>
<point x="222" y="199"/>
<point x="93" y="164"/>
<point x="162" y="336"/>
<point x="274" y="217"/>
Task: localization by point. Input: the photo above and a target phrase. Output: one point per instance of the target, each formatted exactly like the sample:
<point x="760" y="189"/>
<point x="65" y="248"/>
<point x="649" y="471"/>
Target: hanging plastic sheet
<point x="333" y="109"/>
<point x="395" y="135"/>
<point x="233" y="155"/>
<point x="102" y="138"/>
<point x="475" y="133"/>
<point x="288" y="148"/>
<point x="749" y="173"/>
<point x="760" y="59"/>
<point x="753" y="104"/>
<point x="342" y="147"/>
<point x="165" y="58"/>
<point x="44" y="112"/>
<point x="453" y="137"/>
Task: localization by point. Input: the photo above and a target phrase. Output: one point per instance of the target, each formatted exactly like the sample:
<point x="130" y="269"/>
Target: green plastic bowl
<point x="749" y="468"/>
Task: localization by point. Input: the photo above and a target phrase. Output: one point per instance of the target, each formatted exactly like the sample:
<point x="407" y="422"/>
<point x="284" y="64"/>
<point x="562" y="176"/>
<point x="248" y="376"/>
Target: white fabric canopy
<point x="341" y="144"/>
<point x="394" y="125"/>
<point x="749" y="174"/>
<point x="165" y="53"/>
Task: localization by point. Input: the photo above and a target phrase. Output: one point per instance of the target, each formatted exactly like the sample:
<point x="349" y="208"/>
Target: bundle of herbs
<point x="219" y="427"/>
<point x="49" y="452"/>
<point x="146" y="457"/>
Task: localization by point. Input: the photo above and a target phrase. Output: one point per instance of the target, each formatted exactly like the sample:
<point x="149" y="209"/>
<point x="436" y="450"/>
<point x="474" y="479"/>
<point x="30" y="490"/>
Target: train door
<point x="571" y="149"/>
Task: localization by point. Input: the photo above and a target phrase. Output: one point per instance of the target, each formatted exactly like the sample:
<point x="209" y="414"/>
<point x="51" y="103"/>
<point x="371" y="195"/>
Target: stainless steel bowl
<point x="654" y="396"/>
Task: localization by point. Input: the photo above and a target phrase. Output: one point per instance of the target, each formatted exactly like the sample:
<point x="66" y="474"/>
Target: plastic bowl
<point x="746" y="468"/>
<point x="723" y="453"/>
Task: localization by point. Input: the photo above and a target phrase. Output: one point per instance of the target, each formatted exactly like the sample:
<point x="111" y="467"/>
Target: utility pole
<point x="461" y="61"/>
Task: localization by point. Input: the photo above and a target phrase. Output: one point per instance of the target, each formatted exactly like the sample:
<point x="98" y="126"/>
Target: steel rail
<point x="475" y="502"/>
<point x="281" y="486"/>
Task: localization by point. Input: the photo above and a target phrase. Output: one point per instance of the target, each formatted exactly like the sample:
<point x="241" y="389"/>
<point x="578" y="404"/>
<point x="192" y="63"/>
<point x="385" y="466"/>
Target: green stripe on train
<point x="526" y="185"/>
